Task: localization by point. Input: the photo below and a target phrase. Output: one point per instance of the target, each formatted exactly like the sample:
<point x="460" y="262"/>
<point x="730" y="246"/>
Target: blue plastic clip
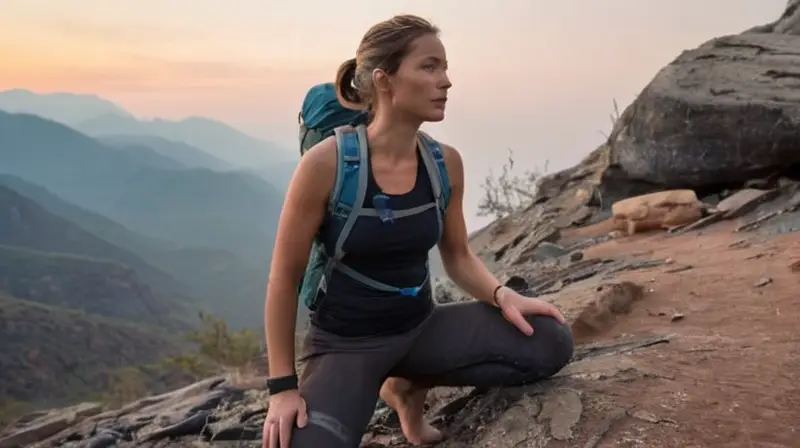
<point x="410" y="291"/>
<point x="381" y="203"/>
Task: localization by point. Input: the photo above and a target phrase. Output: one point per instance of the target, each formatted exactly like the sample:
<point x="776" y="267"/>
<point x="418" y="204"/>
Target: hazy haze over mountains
<point x="187" y="155"/>
<point x="201" y="218"/>
<point x="98" y="117"/>
<point x="67" y="108"/>
<point x="140" y="224"/>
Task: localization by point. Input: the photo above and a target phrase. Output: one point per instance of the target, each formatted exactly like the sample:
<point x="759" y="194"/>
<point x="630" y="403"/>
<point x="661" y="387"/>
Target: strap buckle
<point x="412" y="291"/>
<point x="381" y="203"/>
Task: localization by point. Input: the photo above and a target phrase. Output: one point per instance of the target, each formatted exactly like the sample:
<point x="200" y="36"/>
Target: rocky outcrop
<point x="719" y="114"/>
<point x="190" y="411"/>
<point x="788" y="23"/>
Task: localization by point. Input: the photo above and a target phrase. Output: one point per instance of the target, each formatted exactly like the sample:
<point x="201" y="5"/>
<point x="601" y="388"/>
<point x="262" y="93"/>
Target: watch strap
<point x="280" y="384"/>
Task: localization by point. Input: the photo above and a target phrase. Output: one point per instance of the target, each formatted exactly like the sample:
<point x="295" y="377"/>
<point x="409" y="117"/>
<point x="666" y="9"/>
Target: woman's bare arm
<point x="300" y="219"/>
<point x="460" y="262"/>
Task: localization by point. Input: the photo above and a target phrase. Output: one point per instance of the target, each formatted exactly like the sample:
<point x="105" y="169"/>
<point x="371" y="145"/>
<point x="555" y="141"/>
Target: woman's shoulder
<point x="320" y="157"/>
<point x="317" y="167"/>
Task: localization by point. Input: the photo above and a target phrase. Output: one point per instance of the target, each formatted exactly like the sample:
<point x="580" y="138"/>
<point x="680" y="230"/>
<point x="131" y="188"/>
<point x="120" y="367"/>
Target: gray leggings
<point x="460" y="344"/>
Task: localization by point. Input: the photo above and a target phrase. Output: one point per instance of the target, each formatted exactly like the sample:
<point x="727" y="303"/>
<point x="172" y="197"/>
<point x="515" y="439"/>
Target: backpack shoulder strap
<point x="350" y="185"/>
<point x="433" y="156"/>
<point x="344" y="205"/>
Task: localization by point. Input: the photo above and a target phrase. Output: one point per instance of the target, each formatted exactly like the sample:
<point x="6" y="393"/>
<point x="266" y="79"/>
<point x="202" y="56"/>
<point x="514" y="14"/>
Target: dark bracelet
<point x="280" y="384"/>
<point x="494" y="294"/>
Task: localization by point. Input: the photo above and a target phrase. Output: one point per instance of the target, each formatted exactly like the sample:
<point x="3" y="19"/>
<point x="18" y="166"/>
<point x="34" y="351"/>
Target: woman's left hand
<point x="515" y="307"/>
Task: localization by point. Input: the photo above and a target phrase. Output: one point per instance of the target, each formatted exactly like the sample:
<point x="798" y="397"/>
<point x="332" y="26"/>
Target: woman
<point x="364" y="343"/>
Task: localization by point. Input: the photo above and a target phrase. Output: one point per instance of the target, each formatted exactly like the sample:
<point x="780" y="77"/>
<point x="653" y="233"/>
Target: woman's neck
<point x="394" y="139"/>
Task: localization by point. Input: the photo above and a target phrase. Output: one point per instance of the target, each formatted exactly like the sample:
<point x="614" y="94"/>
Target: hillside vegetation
<point x="99" y="287"/>
<point x="54" y="355"/>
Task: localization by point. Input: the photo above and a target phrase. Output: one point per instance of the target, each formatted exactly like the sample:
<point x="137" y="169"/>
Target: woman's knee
<point x="551" y="345"/>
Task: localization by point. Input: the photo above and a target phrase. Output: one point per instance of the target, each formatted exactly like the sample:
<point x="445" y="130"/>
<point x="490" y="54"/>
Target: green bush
<point x="218" y="348"/>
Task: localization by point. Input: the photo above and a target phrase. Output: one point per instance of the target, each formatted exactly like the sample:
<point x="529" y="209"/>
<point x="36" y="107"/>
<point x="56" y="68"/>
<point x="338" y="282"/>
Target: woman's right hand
<point x="285" y="409"/>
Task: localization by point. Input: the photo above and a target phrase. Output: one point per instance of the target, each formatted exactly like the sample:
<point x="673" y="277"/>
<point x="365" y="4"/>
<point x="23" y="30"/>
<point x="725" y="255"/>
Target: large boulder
<point x="720" y="114"/>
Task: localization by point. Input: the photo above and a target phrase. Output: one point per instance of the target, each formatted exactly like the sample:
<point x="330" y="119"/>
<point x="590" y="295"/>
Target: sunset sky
<point x="532" y="75"/>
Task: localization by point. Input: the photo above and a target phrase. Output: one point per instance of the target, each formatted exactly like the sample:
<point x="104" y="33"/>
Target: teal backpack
<point x="322" y="116"/>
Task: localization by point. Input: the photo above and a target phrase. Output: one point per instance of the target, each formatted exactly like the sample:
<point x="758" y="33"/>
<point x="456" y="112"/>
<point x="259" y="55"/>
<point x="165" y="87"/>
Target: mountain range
<point x="115" y="225"/>
<point x="211" y="230"/>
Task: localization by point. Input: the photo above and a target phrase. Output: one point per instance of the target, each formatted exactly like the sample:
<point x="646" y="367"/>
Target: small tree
<point x="218" y="348"/>
<point x="228" y="348"/>
<point x="508" y="192"/>
<point x="125" y="384"/>
<point x="11" y="409"/>
<point x="193" y="364"/>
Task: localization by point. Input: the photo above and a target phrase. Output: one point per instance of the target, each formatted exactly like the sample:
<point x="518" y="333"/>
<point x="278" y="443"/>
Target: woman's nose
<point x="444" y="82"/>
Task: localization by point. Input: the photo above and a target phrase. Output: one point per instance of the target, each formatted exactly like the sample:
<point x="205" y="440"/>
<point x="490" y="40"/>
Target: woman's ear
<point x="380" y="80"/>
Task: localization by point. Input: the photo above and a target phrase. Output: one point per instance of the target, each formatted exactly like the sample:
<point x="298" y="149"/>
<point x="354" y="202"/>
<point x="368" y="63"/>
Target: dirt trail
<point x="730" y="377"/>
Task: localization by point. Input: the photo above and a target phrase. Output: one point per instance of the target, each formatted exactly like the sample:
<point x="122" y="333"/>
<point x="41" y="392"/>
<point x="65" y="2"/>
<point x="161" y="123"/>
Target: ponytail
<point x="346" y="91"/>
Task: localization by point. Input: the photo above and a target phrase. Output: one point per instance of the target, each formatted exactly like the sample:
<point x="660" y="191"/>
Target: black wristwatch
<point x="280" y="384"/>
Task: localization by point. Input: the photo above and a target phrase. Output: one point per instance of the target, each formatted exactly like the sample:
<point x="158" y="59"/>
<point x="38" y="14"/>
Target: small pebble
<point x="763" y="281"/>
<point x="576" y="256"/>
<point x="646" y="416"/>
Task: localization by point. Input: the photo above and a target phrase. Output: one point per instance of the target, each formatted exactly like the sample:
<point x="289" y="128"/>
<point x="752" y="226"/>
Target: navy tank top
<point x="394" y="253"/>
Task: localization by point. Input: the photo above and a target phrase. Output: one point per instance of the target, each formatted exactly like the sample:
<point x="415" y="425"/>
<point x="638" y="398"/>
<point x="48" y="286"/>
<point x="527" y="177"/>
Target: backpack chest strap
<point x="404" y="213"/>
<point x="371" y="282"/>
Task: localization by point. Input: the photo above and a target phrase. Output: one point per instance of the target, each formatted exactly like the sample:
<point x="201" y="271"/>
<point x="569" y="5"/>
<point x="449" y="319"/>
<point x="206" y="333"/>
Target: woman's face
<point x="419" y="87"/>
